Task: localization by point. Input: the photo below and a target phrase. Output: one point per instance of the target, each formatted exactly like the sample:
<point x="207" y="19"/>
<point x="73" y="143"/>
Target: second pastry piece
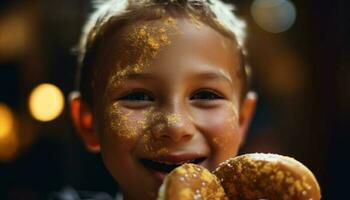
<point x="267" y="176"/>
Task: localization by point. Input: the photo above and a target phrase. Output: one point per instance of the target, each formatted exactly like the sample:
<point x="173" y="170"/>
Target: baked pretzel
<point x="254" y="176"/>
<point x="191" y="182"/>
<point x="267" y="176"/>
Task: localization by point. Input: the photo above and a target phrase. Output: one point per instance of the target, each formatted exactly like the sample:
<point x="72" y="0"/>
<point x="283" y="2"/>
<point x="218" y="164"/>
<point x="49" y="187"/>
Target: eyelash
<point x="209" y="95"/>
<point x="135" y="95"/>
<point x="202" y="95"/>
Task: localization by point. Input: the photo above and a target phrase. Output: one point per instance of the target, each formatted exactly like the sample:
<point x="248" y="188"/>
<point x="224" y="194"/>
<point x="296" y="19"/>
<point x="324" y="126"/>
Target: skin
<point x="184" y="101"/>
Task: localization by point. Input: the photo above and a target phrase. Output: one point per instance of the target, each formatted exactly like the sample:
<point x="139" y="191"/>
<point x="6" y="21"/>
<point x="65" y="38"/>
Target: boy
<point x="162" y="83"/>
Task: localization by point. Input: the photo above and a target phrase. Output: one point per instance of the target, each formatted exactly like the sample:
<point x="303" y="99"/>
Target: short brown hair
<point x="114" y="14"/>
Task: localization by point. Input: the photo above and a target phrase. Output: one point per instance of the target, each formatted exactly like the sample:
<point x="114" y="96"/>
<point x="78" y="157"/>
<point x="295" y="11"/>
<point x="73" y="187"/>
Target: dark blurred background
<point x="300" y="57"/>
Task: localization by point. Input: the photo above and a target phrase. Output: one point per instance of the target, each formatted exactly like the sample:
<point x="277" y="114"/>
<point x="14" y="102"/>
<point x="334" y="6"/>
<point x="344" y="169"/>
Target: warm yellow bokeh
<point x="46" y="102"/>
<point x="8" y="138"/>
<point x="6" y="121"/>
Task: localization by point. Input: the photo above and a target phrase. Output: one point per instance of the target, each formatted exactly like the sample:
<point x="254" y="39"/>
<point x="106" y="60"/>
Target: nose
<point x="175" y="125"/>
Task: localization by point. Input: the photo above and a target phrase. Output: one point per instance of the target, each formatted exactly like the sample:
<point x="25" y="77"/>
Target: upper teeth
<point x="174" y="163"/>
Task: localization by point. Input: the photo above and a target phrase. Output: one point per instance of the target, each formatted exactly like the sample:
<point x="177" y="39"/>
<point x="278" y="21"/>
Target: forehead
<point x="168" y="43"/>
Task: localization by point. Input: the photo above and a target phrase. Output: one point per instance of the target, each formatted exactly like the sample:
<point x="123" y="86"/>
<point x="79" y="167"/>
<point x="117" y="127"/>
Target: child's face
<point x="169" y="93"/>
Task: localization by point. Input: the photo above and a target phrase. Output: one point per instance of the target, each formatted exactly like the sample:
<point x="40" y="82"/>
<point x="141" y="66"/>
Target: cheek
<point x="118" y="133"/>
<point x="219" y="121"/>
<point x="133" y="129"/>
<point x="119" y="136"/>
<point x="120" y="122"/>
<point x="221" y="128"/>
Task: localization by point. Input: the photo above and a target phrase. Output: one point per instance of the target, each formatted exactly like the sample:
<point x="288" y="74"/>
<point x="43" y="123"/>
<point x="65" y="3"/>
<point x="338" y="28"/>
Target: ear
<point x="246" y="113"/>
<point x="83" y="121"/>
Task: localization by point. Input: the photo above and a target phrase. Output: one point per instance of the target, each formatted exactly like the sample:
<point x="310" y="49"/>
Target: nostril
<point x="174" y="136"/>
<point x="165" y="136"/>
<point x="188" y="136"/>
<point x="180" y="136"/>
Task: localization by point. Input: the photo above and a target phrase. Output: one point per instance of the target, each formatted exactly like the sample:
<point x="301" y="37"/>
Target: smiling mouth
<point x="167" y="167"/>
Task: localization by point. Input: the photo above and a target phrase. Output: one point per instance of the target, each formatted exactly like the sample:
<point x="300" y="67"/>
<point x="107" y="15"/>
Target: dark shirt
<point x="69" y="193"/>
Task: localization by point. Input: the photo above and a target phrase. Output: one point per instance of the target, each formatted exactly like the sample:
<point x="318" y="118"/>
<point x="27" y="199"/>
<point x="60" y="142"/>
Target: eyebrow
<point x="203" y="75"/>
<point x="139" y="75"/>
<point x="215" y="75"/>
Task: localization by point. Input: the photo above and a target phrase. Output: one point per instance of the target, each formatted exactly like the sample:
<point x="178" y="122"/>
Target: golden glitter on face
<point x="152" y="146"/>
<point x="173" y="119"/>
<point x="118" y="121"/>
<point x="149" y="128"/>
<point x="154" y="124"/>
<point x="161" y="121"/>
<point x="144" y="43"/>
<point x="121" y="74"/>
<point x="156" y="118"/>
<point x="234" y="116"/>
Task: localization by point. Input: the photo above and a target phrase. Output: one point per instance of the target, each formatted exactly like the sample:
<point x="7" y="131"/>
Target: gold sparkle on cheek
<point x="234" y="108"/>
<point x="152" y="145"/>
<point x="119" y="122"/>
<point x="142" y="124"/>
<point x="232" y="118"/>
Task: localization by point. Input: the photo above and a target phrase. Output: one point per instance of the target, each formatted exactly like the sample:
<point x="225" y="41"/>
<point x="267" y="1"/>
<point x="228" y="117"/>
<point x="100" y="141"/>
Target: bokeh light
<point x="6" y="121"/>
<point x="46" y="102"/>
<point x="274" y="16"/>
<point x="8" y="136"/>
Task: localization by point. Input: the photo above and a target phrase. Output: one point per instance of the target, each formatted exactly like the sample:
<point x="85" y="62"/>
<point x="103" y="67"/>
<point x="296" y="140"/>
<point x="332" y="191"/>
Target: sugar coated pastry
<point x="191" y="182"/>
<point x="267" y="176"/>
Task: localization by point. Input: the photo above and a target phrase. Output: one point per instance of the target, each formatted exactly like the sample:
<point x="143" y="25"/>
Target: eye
<point x="206" y="95"/>
<point x="137" y="96"/>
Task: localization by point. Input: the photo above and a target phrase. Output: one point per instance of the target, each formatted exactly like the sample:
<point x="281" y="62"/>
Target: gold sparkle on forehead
<point x="145" y="42"/>
<point x="121" y="74"/>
